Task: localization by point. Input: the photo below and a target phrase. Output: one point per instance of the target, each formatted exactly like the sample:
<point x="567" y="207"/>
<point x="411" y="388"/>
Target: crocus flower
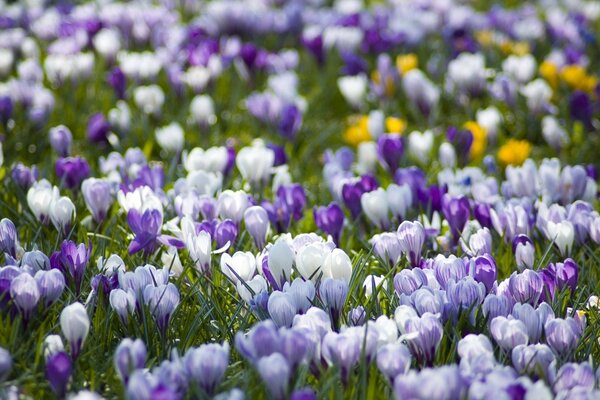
<point x="75" y="325"/>
<point x="146" y="227"/>
<point x="130" y="355"/>
<point x="5" y="364"/>
<point x="508" y="333"/>
<point x="524" y="252"/>
<point x="256" y="221"/>
<point x="98" y="197"/>
<point x="423" y="335"/>
<point x="456" y="210"/>
<point x="73" y="259"/>
<point x="24" y="176"/>
<point x="282" y="308"/>
<point x="562" y="335"/>
<point x="162" y="301"/>
<point x="98" y="129"/>
<point x="330" y="219"/>
<point x="375" y="206"/>
<point x="535" y="359"/>
<point x="390" y="149"/>
<point x="526" y="287"/>
<point x="8" y="237"/>
<point x="387" y="247"/>
<point x="59" y="368"/>
<point x="25" y="293"/>
<point x="51" y="285"/>
<point x="61" y="140"/>
<point x="206" y="365"/>
<point x="333" y="293"/>
<point x="411" y="236"/>
<point x="275" y="373"/>
<point x="72" y="171"/>
<point x="393" y="359"/>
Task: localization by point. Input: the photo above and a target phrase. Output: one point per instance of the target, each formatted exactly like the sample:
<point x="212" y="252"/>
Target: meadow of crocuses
<point x="299" y="199"/>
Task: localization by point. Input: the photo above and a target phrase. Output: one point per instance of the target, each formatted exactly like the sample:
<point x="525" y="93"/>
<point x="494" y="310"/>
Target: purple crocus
<point x="117" y="80"/>
<point x="566" y="274"/>
<point x="524" y="251"/>
<point x="61" y="140"/>
<point x="484" y="270"/>
<point x="72" y="171"/>
<point x="8" y="237"/>
<point x="98" y="197"/>
<point x="6" y="109"/>
<point x="72" y="259"/>
<point x="408" y="281"/>
<point x="424" y="336"/>
<point x="330" y="219"/>
<point x="275" y="373"/>
<point x="508" y="333"/>
<point x="293" y="198"/>
<point x="411" y="236"/>
<point x="98" y="128"/>
<point x="24" y="176"/>
<point x="51" y="285"/>
<point x="25" y="294"/>
<point x="562" y="335"/>
<point x="526" y="287"/>
<point x="456" y="210"/>
<point x="390" y="149"/>
<point x="581" y="108"/>
<point x="146" y="228"/>
<point x="290" y="121"/>
<point x="162" y="301"/>
<point x="130" y="355"/>
<point x="206" y="365"/>
<point x="59" y="368"/>
<point x="225" y="231"/>
<point x="333" y="294"/>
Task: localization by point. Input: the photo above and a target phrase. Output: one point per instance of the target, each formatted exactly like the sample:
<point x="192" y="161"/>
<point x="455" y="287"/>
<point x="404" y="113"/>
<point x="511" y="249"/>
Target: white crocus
<point x="563" y="235"/>
<point x="310" y="259"/>
<point x="213" y="159"/>
<point x="62" y="214"/>
<point x="75" y="325"/>
<point x="399" y="199"/>
<point x="337" y="265"/>
<point x="375" y="206"/>
<point x="242" y="265"/>
<point x="170" y="137"/>
<point x="255" y="163"/>
<point x="232" y="205"/>
<point x="420" y="144"/>
<point x="40" y="198"/>
<point x="353" y="88"/>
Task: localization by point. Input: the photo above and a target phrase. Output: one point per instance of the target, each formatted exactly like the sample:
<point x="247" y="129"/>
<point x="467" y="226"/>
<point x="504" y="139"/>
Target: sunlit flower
<point x="514" y="152"/>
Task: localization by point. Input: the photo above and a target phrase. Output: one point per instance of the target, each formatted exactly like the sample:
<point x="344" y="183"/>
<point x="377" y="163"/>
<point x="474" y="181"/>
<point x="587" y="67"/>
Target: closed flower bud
<point x="75" y="325"/>
<point x="170" y="138"/>
<point x="25" y="293"/>
<point x="8" y="237"/>
<point x="51" y="284"/>
<point x="275" y="373"/>
<point x="62" y="214"/>
<point x="130" y="355"/>
<point x="5" y="364"/>
<point x="206" y="365"/>
<point x="98" y="197"/>
<point x="53" y="344"/>
<point x="61" y="140"/>
<point x="337" y="265"/>
<point x="257" y="224"/>
<point x="59" y="368"/>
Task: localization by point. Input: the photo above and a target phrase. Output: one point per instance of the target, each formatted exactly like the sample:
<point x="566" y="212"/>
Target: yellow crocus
<point x="484" y="38"/>
<point x="549" y="71"/>
<point x="395" y="125"/>
<point x="407" y="62"/>
<point x="577" y="78"/>
<point x="358" y="132"/>
<point x="514" y="152"/>
<point x="479" y="139"/>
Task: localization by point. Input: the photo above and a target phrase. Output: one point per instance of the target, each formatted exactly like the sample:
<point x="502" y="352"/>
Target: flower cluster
<point x="294" y="199"/>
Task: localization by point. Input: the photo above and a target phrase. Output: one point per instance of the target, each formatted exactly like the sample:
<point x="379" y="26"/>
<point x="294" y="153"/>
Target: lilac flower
<point x="496" y="305"/>
<point x="566" y="274"/>
<point x="330" y="220"/>
<point x="466" y="293"/>
<point x="72" y="171"/>
<point x="146" y="228"/>
<point x="130" y="355"/>
<point x="447" y="269"/>
<point x="282" y="308"/>
<point x="206" y="365"/>
<point x="59" y="368"/>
